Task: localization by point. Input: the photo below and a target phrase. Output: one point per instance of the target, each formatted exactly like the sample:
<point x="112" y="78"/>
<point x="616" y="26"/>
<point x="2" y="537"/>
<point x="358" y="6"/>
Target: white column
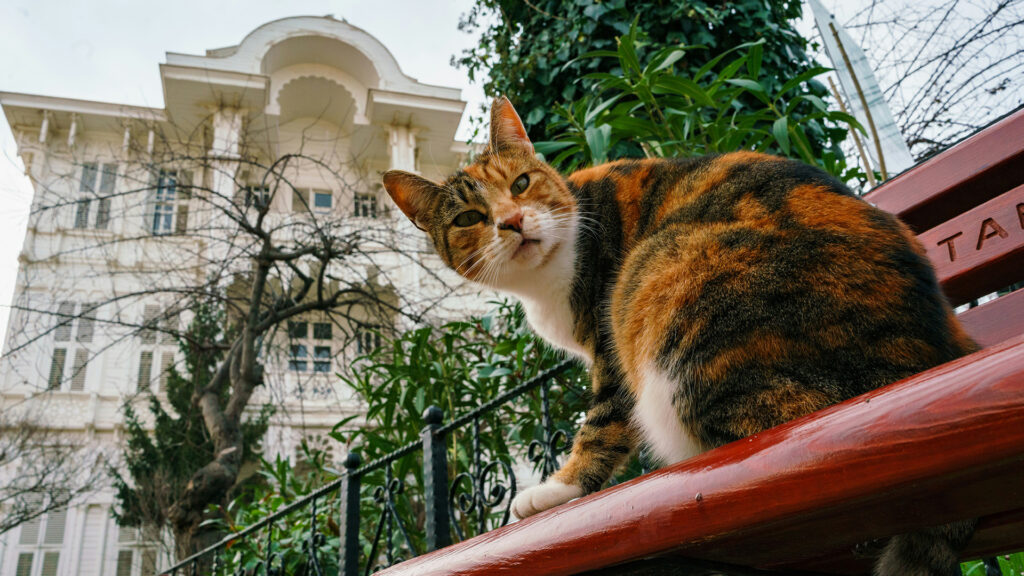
<point x="402" y="147"/>
<point x="73" y="130"/>
<point x="44" y="129"/>
<point x="224" y="151"/>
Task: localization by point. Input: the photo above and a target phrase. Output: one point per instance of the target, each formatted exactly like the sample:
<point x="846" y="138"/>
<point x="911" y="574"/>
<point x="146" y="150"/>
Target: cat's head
<point x="499" y="219"/>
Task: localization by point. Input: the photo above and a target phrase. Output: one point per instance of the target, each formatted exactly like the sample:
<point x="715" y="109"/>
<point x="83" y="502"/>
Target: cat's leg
<point x="602" y="444"/>
<point x="930" y="552"/>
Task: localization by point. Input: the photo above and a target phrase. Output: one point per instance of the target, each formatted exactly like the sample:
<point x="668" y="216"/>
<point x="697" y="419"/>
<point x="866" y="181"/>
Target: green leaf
<point x="597" y="110"/>
<point x="754" y="60"/>
<point x="684" y="86"/>
<point x="598" y="139"/>
<point x="752" y="85"/>
<point x="633" y="126"/>
<point x="548" y="147"/>
<point x="627" y="50"/>
<point x="801" y="78"/>
<point x="781" y="131"/>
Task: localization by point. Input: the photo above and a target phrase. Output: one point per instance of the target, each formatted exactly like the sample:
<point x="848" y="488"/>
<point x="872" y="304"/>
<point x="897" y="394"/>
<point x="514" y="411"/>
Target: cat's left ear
<point x="507" y="129"/>
<point x="413" y="194"/>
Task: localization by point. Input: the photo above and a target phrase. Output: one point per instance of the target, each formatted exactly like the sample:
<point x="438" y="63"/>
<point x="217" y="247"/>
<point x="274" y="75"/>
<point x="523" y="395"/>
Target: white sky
<point x="109" y="50"/>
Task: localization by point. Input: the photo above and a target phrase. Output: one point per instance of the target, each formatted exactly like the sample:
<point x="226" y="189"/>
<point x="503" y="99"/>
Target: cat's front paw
<point x="543" y="496"/>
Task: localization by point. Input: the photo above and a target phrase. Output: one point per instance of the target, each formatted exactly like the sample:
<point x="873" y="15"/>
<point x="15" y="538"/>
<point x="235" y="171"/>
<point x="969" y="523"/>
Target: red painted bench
<point x="943" y="445"/>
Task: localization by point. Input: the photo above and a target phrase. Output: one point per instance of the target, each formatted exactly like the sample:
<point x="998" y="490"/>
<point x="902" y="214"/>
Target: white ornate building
<point x="316" y="83"/>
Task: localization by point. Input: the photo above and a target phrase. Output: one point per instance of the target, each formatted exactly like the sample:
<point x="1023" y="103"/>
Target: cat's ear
<point x="506" y="127"/>
<point x="412" y="193"/>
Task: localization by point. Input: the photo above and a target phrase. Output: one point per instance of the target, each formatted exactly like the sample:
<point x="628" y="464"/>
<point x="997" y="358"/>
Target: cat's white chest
<point x="552" y="320"/>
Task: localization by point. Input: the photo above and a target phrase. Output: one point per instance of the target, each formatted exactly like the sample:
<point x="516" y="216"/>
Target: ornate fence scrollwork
<point x="384" y="496"/>
<point x="486" y="491"/>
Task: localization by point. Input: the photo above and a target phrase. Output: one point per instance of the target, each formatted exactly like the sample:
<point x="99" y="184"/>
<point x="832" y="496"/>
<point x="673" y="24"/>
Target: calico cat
<point x="711" y="297"/>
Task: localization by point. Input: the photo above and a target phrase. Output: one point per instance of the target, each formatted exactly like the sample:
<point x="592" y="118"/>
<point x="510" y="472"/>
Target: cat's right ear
<point x="412" y="194"/>
<point x="506" y="127"/>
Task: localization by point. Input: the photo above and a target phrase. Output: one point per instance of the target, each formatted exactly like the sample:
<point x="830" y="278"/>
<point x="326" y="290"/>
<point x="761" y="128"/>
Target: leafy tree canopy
<point x="531" y="50"/>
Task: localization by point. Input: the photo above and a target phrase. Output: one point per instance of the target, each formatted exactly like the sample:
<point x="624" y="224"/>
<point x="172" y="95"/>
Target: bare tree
<point x="41" y="470"/>
<point x="946" y="67"/>
<point x="279" y="239"/>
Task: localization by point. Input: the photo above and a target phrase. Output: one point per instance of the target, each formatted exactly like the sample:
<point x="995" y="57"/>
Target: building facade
<point x="102" y="219"/>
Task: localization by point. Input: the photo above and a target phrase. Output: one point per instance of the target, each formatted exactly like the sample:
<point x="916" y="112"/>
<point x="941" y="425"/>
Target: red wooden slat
<point x="853" y="471"/>
<point x="981" y="250"/>
<point x="997" y="320"/>
<point x="975" y="170"/>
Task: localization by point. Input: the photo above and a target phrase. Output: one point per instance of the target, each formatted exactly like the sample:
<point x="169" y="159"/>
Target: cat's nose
<point x="513" y="222"/>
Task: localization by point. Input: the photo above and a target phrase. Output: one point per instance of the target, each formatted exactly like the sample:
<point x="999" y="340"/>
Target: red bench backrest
<point x="967" y="207"/>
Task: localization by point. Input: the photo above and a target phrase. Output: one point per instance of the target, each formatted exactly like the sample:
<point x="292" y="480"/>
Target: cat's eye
<point x="468" y="218"/>
<point x="520" y="185"/>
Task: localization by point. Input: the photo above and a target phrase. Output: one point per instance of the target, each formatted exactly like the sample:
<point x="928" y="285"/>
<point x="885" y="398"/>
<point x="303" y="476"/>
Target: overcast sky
<point x="109" y="50"/>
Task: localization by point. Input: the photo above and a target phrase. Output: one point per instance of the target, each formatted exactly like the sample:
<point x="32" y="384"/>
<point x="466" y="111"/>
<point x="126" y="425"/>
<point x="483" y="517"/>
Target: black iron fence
<point x="452" y="507"/>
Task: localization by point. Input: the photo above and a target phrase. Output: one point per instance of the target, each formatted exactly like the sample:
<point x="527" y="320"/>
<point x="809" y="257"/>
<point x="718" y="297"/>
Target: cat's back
<point x="744" y="265"/>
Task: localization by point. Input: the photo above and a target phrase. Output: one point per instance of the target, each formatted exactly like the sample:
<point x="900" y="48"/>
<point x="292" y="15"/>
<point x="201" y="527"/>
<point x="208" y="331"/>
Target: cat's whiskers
<point x="479" y="254"/>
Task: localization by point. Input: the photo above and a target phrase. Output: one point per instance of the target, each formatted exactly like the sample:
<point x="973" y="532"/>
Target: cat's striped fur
<point x="712" y="297"/>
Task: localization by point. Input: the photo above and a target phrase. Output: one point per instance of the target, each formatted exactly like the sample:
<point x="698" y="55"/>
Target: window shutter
<point x="127" y="534"/>
<point x="78" y="370"/>
<point x="145" y="369"/>
<point x="150" y="211"/>
<point x="24" y="567"/>
<point x="29" y="532"/>
<point x="183" y="200"/>
<point x="82" y="213"/>
<point x="171" y="325"/>
<point x="149" y="324"/>
<point x="55" y="522"/>
<point x="50" y="562"/>
<point x="299" y="203"/>
<point x="181" y="222"/>
<point x="86" y="322"/>
<point x="124" y="563"/>
<point x="86" y="192"/>
<point x="57" y="368"/>
<point x="166" y="361"/>
<point x="65" y="318"/>
<point x="108" y="186"/>
<point x="148" y="561"/>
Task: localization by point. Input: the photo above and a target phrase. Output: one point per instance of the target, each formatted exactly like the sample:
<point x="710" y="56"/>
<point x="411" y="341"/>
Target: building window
<point x="297" y="356"/>
<point x="322" y="200"/>
<point x="322" y="331"/>
<point x="301" y="342"/>
<point x="169" y="207"/>
<point x="298" y="329"/>
<point x="51" y="527"/>
<point x="321" y="359"/>
<point x="136" y="555"/>
<point x="95" y="189"/>
<point x="157" y="336"/>
<point x="257" y="196"/>
<point x="365" y="206"/>
<point x="62" y="335"/>
<point x="312" y="199"/>
<point x="163" y="207"/>
<point x="367" y="339"/>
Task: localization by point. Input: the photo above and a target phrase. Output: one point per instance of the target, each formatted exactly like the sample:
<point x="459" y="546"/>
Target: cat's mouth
<point x="526" y="246"/>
